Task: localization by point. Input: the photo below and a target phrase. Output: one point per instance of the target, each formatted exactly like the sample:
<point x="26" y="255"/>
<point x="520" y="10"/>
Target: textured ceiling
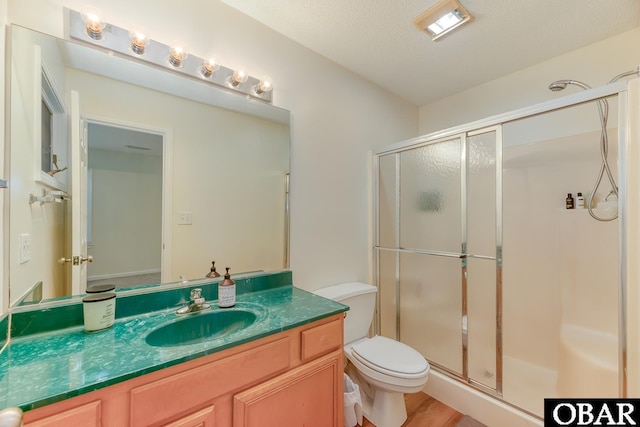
<point x="377" y="40"/>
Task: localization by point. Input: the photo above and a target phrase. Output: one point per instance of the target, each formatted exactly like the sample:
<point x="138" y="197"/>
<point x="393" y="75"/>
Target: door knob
<point x="87" y="259"/>
<point x="76" y="260"/>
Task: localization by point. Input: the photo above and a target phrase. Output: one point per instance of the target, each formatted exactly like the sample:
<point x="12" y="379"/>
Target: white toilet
<point x="383" y="368"/>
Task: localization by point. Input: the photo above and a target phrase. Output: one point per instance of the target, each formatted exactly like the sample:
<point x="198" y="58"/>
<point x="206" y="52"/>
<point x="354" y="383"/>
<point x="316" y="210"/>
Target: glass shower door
<point x="436" y="253"/>
<point x="430" y="275"/>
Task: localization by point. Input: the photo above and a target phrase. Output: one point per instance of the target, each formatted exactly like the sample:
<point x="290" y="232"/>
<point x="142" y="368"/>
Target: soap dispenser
<point x="213" y="273"/>
<point x="227" y="292"/>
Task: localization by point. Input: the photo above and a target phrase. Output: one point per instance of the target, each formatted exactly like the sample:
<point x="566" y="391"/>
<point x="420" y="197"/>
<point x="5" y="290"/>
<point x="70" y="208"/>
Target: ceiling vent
<point x="444" y="17"/>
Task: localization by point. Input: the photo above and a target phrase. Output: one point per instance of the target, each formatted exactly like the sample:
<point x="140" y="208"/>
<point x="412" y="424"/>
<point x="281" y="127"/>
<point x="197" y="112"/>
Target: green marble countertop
<point x="44" y="368"/>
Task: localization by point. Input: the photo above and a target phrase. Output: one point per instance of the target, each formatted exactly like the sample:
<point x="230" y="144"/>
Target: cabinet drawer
<point x="87" y="415"/>
<point x="321" y="340"/>
<point x="163" y="399"/>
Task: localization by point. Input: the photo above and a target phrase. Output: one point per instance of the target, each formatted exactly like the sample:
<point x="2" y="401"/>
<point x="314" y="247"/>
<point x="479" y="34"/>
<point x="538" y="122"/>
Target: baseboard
<point x="484" y="408"/>
<point x="117" y="275"/>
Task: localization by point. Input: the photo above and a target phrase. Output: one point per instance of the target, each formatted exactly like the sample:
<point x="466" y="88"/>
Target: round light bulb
<point x="239" y="76"/>
<point x="93" y="22"/>
<point x="178" y="54"/>
<point x="139" y="41"/>
<point x="265" y="85"/>
<point x="209" y="67"/>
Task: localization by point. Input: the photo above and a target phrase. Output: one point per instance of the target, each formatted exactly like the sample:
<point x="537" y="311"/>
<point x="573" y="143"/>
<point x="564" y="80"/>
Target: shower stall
<point x="482" y="268"/>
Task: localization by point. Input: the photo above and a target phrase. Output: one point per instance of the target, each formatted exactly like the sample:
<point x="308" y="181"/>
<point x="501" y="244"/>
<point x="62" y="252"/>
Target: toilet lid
<point x="390" y="355"/>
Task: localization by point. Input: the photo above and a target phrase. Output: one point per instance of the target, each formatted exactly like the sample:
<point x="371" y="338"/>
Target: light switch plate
<point x="25" y="248"/>
<point x="184" y="218"/>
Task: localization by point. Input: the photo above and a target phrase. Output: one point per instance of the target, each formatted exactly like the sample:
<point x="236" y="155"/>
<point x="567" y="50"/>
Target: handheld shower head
<point x="558" y="85"/>
<point x="603" y="110"/>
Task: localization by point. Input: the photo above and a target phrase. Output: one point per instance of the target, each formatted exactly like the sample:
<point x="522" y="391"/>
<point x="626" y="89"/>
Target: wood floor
<point x="425" y="411"/>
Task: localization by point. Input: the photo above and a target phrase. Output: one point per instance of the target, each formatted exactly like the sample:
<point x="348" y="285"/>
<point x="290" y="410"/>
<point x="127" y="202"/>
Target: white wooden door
<point x="79" y="158"/>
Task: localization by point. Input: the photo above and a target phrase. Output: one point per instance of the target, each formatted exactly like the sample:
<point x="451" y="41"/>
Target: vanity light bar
<point x="111" y="39"/>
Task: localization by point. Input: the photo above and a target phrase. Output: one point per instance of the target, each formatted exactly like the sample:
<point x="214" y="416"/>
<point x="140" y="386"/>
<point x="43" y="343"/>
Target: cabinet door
<point x="203" y="418"/>
<point x="310" y="396"/>
<point x="164" y="399"/>
<point x="87" y="415"/>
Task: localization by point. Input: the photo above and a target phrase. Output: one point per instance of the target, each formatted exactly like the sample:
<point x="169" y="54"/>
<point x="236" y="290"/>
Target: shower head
<point x="558" y="85"/>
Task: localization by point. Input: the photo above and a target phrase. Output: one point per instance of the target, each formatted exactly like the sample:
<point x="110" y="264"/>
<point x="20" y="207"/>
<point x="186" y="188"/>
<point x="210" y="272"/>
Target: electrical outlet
<point x="184" y="218"/>
<point x="25" y="248"/>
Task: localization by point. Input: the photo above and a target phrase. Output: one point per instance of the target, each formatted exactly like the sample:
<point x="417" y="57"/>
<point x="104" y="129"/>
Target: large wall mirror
<point x="151" y="174"/>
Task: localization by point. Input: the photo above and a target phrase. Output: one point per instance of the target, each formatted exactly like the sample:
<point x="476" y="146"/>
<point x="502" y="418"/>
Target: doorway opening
<point x="125" y="204"/>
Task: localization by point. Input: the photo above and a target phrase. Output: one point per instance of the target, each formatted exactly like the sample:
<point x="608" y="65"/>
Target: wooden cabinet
<point x="302" y="397"/>
<point x="160" y="400"/>
<point x="290" y="378"/>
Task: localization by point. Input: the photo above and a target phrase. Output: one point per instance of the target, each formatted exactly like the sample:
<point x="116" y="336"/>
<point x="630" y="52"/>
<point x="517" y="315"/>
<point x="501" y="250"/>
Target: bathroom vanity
<point x="285" y="368"/>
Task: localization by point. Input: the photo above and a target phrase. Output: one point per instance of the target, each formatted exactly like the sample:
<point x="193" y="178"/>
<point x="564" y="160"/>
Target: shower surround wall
<point x="558" y="279"/>
<point x="560" y="274"/>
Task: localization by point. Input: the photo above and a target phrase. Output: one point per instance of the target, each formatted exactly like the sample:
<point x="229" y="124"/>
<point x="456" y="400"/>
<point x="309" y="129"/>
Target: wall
<point x="44" y="223"/>
<point x="336" y="118"/>
<point x="547" y="283"/>
<point x="594" y="64"/>
<point x="126" y="212"/>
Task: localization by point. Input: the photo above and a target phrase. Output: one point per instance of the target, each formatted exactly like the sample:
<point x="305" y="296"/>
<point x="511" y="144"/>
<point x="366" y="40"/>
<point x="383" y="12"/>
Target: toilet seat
<point x="390" y="357"/>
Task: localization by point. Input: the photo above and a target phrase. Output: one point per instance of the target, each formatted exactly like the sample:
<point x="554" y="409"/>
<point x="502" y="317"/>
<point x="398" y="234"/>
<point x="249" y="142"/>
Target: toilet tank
<point x="361" y="299"/>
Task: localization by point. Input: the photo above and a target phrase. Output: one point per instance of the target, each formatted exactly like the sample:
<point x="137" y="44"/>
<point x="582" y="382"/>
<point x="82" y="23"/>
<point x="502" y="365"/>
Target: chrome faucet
<point x="196" y="304"/>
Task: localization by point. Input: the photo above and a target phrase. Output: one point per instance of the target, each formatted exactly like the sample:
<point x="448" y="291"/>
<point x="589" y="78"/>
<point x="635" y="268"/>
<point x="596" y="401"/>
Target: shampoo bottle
<point x="569" y="201"/>
<point x="579" y="201"/>
<point x="227" y="292"/>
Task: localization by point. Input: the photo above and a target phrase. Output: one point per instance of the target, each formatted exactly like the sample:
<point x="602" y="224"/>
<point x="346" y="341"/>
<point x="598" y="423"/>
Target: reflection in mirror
<point x="124" y="180"/>
<point x="176" y="174"/>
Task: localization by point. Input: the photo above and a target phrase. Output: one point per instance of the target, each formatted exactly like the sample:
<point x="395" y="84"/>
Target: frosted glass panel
<point x="481" y="314"/>
<point x="430" y="197"/>
<point x="431" y="307"/>
<point x="481" y="194"/>
<point x="387" y="292"/>
<point x="387" y="201"/>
